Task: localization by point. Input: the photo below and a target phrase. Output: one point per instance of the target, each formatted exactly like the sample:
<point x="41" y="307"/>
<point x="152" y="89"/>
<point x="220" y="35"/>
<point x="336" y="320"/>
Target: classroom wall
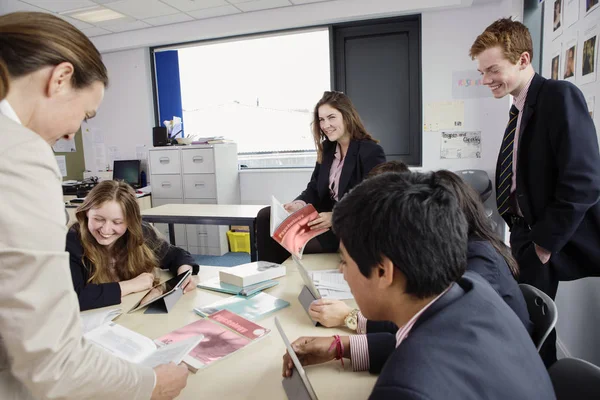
<point x="126" y="116"/>
<point x="578" y="302"/>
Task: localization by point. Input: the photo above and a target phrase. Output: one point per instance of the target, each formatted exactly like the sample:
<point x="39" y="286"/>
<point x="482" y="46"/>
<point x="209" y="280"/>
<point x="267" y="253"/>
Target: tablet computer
<point x="297" y="364"/>
<point x="161" y="290"/>
<point x="308" y="282"/>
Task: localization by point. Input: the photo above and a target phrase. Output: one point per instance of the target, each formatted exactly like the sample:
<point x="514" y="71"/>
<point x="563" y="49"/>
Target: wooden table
<point x="254" y="372"/>
<point x="206" y="214"/>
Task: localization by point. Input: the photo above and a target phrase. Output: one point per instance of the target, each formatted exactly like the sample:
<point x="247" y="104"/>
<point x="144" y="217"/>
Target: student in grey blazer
<point x="51" y="78"/>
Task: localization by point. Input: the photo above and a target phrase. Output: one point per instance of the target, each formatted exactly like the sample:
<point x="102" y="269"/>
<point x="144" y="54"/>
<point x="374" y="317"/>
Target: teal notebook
<point x="251" y="308"/>
<point x="218" y="286"/>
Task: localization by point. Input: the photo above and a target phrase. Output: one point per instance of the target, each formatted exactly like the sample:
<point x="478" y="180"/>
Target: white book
<point x="251" y="273"/>
<point x="138" y="349"/>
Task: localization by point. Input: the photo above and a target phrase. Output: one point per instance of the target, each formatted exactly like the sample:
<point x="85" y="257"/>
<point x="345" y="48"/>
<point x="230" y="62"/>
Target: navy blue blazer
<point x="481" y="258"/>
<point x="361" y="157"/>
<point x="92" y="295"/>
<point x="469" y="345"/>
<point x="558" y="179"/>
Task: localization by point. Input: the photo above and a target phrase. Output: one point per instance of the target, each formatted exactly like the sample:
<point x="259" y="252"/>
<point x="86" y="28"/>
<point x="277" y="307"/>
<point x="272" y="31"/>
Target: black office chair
<point x="575" y="379"/>
<point x="542" y="312"/>
<point x="478" y="180"/>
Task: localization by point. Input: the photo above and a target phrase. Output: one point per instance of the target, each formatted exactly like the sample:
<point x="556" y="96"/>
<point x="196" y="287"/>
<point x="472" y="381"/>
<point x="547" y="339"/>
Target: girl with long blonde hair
<point x="113" y="253"/>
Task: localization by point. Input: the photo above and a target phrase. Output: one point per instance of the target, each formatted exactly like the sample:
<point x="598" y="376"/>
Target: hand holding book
<point x="322" y="222"/>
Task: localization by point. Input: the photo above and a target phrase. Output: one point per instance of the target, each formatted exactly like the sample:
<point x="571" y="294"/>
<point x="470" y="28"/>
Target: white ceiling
<point x="140" y="14"/>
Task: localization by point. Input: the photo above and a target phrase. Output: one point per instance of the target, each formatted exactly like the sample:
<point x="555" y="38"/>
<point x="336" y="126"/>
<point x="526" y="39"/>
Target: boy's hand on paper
<point x="143" y="281"/>
<point x="322" y="222"/>
<point x="310" y="351"/>
<point x="294" y="206"/>
<point x="191" y="281"/>
<point x="170" y="380"/>
<point x="329" y="313"/>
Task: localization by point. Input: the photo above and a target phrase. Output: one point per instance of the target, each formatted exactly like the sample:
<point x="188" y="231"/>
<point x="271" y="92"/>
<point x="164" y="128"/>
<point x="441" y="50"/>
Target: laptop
<point x="297" y="386"/>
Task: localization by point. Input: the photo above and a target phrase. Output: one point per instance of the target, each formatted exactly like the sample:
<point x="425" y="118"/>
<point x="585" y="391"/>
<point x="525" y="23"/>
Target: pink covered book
<point x="224" y="333"/>
<point x="292" y="230"/>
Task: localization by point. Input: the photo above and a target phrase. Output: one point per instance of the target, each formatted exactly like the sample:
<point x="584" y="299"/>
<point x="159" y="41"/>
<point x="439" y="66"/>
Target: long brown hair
<point x="352" y="121"/>
<point x="479" y="225"/>
<point x="131" y="255"/>
<point x="30" y="41"/>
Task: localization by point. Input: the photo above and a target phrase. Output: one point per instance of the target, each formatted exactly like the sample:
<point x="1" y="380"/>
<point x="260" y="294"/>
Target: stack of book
<point x="211" y="140"/>
<point x="246" y="279"/>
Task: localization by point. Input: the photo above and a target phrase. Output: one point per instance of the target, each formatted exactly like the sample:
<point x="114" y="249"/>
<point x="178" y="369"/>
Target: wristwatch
<point x="351" y="320"/>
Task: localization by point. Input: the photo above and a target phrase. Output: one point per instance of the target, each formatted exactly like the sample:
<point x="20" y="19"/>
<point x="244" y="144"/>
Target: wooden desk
<point x="254" y="372"/>
<point x="206" y="214"/>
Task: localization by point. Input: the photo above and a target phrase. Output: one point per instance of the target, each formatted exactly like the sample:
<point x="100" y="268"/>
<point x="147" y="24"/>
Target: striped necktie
<point x="506" y="163"/>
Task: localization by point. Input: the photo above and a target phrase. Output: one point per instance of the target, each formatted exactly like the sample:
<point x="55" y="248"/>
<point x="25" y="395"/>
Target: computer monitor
<point x="128" y="171"/>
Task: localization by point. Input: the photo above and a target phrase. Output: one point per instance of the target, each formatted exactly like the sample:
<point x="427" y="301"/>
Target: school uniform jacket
<point x="106" y="294"/>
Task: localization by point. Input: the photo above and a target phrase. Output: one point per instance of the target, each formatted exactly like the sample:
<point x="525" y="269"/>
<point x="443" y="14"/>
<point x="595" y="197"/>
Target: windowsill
<point x="287" y="169"/>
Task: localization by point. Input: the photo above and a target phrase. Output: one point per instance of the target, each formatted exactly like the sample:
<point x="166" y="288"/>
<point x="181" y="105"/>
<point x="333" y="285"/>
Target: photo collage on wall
<point x="575" y="49"/>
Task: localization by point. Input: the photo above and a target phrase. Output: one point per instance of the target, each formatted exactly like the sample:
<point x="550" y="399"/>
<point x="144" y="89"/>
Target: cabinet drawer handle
<point x="202" y="233"/>
<point x="200" y="184"/>
<point x="166" y="184"/>
<point x="164" y="160"/>
<point x="198" y="159"/>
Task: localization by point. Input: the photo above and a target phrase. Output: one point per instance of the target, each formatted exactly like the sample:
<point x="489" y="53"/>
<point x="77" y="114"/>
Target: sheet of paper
<point x="335" y="294"/>
<point x="468" y="84"/>
<point x="93" y="319"/>
<point x="570" y="12"/>
<point x="100" y="156"/>
<point x="590" y="100"/>
<point x="555" y="66"/>
<point x="173" y="352"/>
<point x="62" y="165"/>
<point x="141" y="152"/>
<point x="557" y="18"/>
<point x="64" y="146"/>
<point x="122" y="342"/>
<point x="587" y="57"/>
<point x="113" y="154"/>
<point x="569" y="59"/>
<point x="444" y="115"/>
<point x="330" y="280"/>
<point x="590" y="5"/>
<point x="278" y="214"/>
<point x="460" y="145"/>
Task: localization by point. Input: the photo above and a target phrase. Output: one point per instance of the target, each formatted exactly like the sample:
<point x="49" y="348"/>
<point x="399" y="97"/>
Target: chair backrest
<point x="542" y="312"/>
<point x="479" y="180"/>
<point x="575" y="379"/>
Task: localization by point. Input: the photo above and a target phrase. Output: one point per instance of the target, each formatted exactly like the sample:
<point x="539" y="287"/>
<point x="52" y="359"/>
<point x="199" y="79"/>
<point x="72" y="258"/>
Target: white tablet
<point x="308" y="282"/>
<point x="297" y="364"/>
<point x="161" y="290"/>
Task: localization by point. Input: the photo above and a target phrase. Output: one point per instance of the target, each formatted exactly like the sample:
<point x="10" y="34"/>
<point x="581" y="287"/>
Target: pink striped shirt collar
<point x="406" y="328"/>
<point x="519" y="101"/>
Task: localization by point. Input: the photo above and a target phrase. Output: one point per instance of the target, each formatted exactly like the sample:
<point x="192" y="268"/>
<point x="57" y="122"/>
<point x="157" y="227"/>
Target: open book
<point x="224" y="333"/>
<point x="138" y="349"/>
<point x="292" y="230"/>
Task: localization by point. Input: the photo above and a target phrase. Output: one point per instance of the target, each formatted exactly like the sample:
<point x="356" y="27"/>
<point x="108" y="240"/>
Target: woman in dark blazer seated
<point x="346" y="153"/>
<point x="113" y="253"/>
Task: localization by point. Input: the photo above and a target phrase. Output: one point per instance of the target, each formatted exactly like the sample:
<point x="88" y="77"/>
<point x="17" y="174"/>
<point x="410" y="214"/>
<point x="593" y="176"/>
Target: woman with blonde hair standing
<point x="51" y="78"/>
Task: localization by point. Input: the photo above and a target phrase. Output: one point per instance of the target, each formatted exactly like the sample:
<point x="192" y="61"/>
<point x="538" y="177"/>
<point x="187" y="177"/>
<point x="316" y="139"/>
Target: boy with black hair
<point x="403" y="240"/>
